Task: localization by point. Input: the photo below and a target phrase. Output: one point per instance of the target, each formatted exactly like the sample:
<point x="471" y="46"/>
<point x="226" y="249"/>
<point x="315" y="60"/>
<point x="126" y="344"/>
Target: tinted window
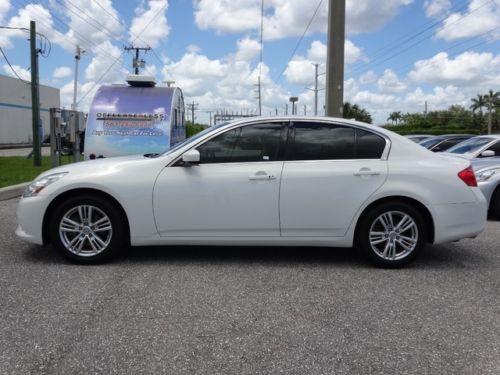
<point x="253" y="143"/>
<point x="447" y="144"/>
<point x="470" y="145"/>
<point x="428" y="143"/>
<point x="316" y="141"/>
<point x="369" y="145"/>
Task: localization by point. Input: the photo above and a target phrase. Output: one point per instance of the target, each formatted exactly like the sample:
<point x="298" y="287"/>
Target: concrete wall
<point x="15" y="110"/>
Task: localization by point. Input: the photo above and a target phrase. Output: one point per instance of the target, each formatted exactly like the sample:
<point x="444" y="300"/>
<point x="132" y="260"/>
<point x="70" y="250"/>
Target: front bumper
<point x="30" y="213"/>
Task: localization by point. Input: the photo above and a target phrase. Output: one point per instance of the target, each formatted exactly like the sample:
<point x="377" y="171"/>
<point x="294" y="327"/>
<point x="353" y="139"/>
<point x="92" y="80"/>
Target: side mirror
<point x="190" y="157"/>
<point x="487" y="154"/>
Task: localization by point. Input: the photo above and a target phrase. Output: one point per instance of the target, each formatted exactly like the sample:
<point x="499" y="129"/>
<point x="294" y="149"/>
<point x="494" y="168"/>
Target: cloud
<point x="193" y="48"/>
<point x="248" y="49"/>
<point x="367" y="78"/>
<point x="195" y="73"/>
<point x="23" y="73"/>
<point x="31" y="12"/>
<point x="85" y="94"/>
<point x="300" y="71"/>
<point x="482" y="16"/>
<point x="99" y="66"/>
<point x="62" y="72"/>
<point x="436" y="8"/>
<point x="467" y="69"/>
<point x="150" y="24"/>
<point x="390" y="83"/>
<point x="286" y="18"/>
<point x="87" y="30"/>
<point x="4" y="8"/>
<point x="227" y="16"/>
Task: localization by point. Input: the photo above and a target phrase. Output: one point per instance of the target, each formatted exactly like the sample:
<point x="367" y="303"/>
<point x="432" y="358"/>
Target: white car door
<point x="331" y="170"/>
<point x="233" y="191"/>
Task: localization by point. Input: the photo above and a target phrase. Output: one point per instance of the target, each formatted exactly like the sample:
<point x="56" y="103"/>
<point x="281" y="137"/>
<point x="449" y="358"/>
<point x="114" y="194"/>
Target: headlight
<point x="38" y="185"/>
<point x="486" y="175"/>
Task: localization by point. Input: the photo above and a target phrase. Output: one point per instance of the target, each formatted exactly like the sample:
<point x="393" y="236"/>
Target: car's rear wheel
<point x="391" y="234"/>
<point x="495" y="203"/>
<point x="87" y="229"/>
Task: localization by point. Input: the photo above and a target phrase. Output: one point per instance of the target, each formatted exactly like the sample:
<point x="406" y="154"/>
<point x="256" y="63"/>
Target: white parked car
<point x="278" y="181"/>
<point x="482" y="146"/>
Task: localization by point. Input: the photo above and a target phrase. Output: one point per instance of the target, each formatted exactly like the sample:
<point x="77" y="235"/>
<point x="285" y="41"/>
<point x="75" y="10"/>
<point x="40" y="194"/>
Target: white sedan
<point x="278" y="181"/>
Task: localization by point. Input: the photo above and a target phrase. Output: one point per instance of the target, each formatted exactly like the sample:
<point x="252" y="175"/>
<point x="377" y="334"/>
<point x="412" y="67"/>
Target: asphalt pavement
<point x="190" y="310"/>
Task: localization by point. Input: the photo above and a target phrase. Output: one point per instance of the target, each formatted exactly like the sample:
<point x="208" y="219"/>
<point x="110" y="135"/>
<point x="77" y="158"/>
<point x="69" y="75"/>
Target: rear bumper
<point x="459" y="220"/>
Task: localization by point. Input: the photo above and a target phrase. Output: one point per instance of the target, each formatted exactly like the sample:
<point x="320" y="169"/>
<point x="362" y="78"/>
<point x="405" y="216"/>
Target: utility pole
<point x="335" y="58"/>
<point x="316" y="89"/>
<point x="78" y="53"/>
<point x="286" y="109"/>
<point x="210" y="114"/>
<point x="35" y="97"/>
<point x="425" y="110"/>
<point x="305" y="109"/>
<point x="293" y="100"/>
<point x="136" y="62"/>
<point x="259" y="97"/>
<point x="192" y="107"/>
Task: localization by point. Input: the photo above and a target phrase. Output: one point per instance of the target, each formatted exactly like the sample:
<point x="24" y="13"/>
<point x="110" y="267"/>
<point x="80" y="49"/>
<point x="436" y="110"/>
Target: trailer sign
<point x="126" y="120"/>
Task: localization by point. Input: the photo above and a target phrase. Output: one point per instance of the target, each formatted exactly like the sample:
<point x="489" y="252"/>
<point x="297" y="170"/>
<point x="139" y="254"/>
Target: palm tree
<point x="398" y="117"/>
<point x="478" y="104"/>
<point x="492" y="99"/>
<point x="395" y="117"/>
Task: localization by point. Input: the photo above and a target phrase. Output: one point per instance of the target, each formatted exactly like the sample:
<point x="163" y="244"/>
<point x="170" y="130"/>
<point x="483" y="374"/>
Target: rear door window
<point x="320" y="141"/>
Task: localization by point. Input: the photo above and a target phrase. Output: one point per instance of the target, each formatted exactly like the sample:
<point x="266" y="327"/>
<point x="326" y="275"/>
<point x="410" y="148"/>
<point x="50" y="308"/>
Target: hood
<point x="97" y="166"/>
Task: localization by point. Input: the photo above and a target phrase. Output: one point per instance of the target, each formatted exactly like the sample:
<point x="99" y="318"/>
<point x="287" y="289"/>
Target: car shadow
<point x="449" y="256"/>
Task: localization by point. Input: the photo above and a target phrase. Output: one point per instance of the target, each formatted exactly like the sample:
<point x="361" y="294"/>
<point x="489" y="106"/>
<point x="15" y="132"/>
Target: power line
<point x="409" y="36"/>
<point x="363" y="68"/>
<point x="121" y="54"/>
<point x="12" y="68"/>
<point x="430" y="63"/>
<point x="80" y="36"/>
<point x="120" y="22"/>
<point x="300" y="40"/>
<point x="44" y="41"/>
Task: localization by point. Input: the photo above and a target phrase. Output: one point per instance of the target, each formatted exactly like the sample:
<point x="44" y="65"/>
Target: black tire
<point x="83" y="239"/>
<point x="495" y="203"/>
<point x="389" y="245"/>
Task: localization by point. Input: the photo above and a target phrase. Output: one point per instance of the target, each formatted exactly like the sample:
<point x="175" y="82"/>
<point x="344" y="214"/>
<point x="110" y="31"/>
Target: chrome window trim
<point x="289" y="121"/>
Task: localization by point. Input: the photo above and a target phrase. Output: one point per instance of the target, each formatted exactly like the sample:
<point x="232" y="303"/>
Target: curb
<point x="13" y="191"/>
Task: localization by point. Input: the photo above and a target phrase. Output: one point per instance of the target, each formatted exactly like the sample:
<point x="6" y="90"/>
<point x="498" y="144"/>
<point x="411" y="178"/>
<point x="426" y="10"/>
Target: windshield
<point x="428" y="143"/>
<point x="470" y="145"/>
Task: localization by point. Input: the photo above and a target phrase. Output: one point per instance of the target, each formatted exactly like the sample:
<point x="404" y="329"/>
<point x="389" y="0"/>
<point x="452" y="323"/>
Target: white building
<point x="15" y="110"/>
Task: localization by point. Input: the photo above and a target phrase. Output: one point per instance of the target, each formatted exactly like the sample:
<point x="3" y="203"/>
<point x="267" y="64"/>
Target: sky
<point x="399" y="54"/>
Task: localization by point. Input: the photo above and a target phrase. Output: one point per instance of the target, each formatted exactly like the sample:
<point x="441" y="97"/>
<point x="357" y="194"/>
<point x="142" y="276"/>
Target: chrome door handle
<point x="262" y="177"/>
<point x="367" y="172"/>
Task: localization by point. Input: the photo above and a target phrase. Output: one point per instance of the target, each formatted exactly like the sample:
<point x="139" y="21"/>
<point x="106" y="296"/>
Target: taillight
<point x="468" y="176"/>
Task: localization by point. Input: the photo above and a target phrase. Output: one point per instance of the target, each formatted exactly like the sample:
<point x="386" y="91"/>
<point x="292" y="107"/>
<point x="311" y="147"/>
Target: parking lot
<point x="249" y="310"/>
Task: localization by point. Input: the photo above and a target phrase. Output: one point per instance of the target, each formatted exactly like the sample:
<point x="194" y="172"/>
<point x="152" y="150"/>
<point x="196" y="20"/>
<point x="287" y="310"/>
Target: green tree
<point x="353" y="111"/>
<point x="492" y="100"/>
<point x="395" y="117"/>
<point x="478" y="104"/>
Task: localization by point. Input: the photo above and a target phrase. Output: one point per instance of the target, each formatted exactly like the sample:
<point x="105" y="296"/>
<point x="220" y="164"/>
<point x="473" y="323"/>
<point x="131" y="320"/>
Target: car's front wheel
<point x="391" y="234"/>
<point x="87" y="229"/>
